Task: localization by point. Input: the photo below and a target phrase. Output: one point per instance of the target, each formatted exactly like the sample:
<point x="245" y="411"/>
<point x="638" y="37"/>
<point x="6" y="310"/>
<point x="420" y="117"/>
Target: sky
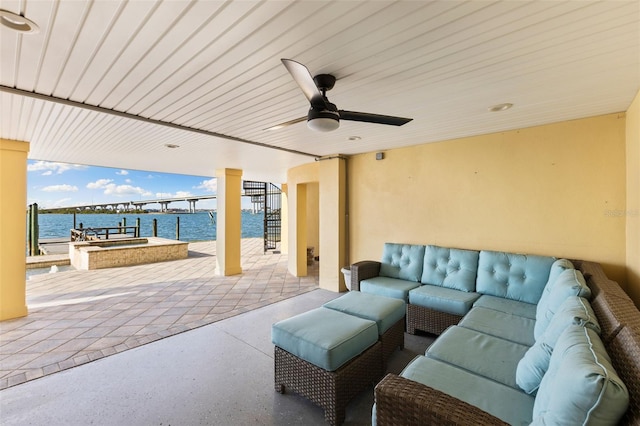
<point x="66" y="185"/>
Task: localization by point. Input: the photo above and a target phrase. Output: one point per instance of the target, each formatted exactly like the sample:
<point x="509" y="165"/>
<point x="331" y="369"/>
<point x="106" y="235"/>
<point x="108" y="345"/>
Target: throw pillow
<point x="581" y="386"/>
<point x="535" y="363"/>
<point x="569" y="283"/>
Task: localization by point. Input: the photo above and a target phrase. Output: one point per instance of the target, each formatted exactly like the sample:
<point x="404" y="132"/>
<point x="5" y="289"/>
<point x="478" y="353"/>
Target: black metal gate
<point x="266" y="197"/>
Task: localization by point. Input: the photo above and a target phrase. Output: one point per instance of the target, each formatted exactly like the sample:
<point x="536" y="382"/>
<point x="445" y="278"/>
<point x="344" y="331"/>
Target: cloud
<point x="127" y="180"/>
<point x="60" y="188"/>
<point x="50" y="167"/>
<point x="99" y="184"/>
<point x="111" y="188"/>
<point x="122" y="173"/>
<point x="181" y="194"/>
<point x="210" y="185"/>
<point x="164" y="195"/>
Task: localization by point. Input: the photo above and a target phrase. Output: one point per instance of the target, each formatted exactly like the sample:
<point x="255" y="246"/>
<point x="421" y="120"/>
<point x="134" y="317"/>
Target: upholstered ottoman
<point x="328" y="357"/>
<point x="387" y="312"/>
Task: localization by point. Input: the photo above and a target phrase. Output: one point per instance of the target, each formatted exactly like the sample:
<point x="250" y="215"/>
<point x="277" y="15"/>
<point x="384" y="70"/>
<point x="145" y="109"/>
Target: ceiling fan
<point x="324" y="116"/>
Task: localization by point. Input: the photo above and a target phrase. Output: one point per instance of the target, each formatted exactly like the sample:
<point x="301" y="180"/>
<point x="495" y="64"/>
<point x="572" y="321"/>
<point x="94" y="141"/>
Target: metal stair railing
<point x="268" y="198"/>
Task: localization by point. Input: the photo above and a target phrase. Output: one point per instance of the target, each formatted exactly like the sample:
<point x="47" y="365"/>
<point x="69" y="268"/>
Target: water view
<point x="198" y="226"/>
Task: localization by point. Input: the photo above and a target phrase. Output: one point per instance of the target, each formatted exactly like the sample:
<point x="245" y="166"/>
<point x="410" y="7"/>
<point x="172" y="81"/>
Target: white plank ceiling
<point x="214" y="67"/>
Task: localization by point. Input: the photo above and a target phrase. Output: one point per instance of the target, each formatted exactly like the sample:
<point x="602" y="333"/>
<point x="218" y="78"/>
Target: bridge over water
<point x="139" y="205"/>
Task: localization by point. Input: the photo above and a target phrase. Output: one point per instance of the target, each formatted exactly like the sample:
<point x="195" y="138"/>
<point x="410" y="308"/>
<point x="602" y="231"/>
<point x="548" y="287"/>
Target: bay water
<point x="197" y="226"/>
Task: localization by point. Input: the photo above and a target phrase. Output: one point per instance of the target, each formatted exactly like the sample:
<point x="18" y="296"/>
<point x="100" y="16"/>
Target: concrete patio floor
<point x="163" y="344"/>
<point x="76" y="317"/>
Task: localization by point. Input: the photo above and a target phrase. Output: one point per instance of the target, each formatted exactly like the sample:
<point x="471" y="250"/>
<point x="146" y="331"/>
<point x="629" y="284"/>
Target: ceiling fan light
<point x="324" y="120"/>
<point x="323" y="124"/>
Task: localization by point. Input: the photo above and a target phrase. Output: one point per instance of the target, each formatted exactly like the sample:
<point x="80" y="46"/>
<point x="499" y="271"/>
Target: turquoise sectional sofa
<point x="519" y="340"/>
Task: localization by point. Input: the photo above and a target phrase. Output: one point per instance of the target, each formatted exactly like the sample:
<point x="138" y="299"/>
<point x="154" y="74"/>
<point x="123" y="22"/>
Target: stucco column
<point x="13" y="204"/>
<point x="228" y="222"/>
<point x="333" y="223"/>
<point x="284" y="219"/>
<point x="297" y="224"/>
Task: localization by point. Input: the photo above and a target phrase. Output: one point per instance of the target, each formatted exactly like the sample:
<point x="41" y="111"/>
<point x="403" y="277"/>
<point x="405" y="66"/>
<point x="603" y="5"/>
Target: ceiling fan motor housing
<point x="325" y="119"/>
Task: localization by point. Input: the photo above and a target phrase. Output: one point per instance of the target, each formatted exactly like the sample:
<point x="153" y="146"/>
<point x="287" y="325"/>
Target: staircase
<point x="267" y="198"/>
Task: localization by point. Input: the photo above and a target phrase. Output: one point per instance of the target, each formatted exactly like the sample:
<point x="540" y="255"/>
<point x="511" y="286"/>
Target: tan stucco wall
<point x="553" y="190"/>
<point x="313" y="225"/>
<point x="632" y="216"/>
<point x="13" y="204"/>
<point x="333" y="226"/>
<point x="298" y="216"/>
<point x="229" y="222"/>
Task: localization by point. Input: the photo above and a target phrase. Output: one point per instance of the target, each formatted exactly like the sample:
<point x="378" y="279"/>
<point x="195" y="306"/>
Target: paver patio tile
<point x="76" y="317"/>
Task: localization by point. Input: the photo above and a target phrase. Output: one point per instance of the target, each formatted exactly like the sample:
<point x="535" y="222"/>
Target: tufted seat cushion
<point x="507" y="326"/>
<point x="462" y="347"/>
<point x="443" y="299"/>
<point x="450" y="267"/>
<point x="513" y="276"/>
<point x="385" y="311"/>
<point x="402" y="261"/>
<point x="509" y="306"/>
<point x="514" y="407"/>
<point x="388" y="287"/>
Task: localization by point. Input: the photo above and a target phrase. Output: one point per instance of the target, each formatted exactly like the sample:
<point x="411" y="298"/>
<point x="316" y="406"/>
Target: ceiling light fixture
<point x="323" y="120"/>
<point x="500" y="107"/>
<point x="171" y="145"/>
<point x="18" y="22"/>
<point x="354" y="138"/>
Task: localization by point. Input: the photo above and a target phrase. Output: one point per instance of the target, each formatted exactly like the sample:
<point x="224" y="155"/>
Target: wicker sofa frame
<point x="418" y="317"/>
<point x="400" y="401"/>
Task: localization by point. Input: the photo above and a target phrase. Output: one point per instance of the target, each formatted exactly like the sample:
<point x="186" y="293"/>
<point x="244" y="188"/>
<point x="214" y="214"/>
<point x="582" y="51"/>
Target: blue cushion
<point x="511" y="327"/>
<point x="403" y="261"/>
<point x="388" y="287"/>
<point x="443" y="299"/>
<point x="324" y="337"/>
<point x="385" y="311"/>
<point x="509" y="306"/>
<point x="450" y="267"/>
<point x="569" y="283"/>
<point x="479" y="353"/>
<point x="581" y="386"/>
<point x="558" y="267"/>
<point x="513" y="276"/>
<point x="533" y="366"/>
<point x="508" y="404"/>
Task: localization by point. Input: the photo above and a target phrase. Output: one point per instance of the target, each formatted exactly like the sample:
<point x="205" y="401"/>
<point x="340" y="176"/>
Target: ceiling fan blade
<point x="303" y="77"/>
<point x="373" y="118"/>
<point x="287" y="123"/>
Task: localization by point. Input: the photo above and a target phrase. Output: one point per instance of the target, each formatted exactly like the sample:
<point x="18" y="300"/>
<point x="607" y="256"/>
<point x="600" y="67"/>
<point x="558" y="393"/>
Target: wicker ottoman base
<point x="429" y="320"/>
<point x="392" y="339"/>
<point x="331" y="390"/>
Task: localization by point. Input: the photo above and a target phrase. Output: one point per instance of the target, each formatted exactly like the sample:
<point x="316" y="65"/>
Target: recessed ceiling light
<point x="18" y="22"/>
<point x="171" y="145"/>
<point x="354" y="138"/>
<point x="500" y="107"/>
